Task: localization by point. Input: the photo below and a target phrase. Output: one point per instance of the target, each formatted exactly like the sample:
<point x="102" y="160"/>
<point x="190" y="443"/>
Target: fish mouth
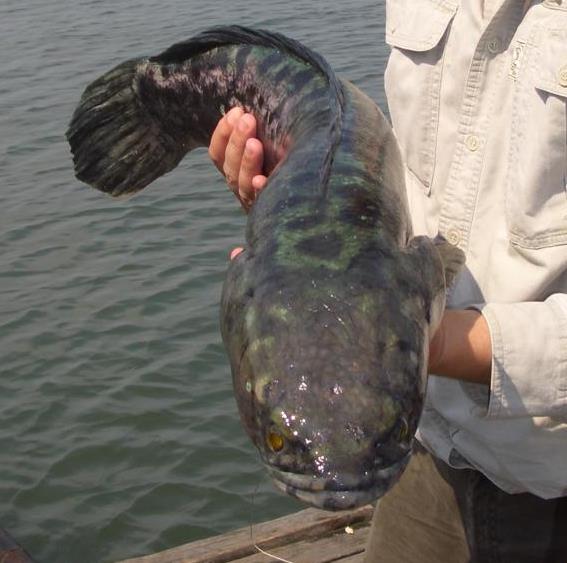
<point x="333" y="493"/>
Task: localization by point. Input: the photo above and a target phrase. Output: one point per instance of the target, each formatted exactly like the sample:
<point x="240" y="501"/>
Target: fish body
<point x="327" y="314"/>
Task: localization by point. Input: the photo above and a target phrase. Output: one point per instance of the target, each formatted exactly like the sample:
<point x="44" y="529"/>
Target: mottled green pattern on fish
<point x="327" y="314"/>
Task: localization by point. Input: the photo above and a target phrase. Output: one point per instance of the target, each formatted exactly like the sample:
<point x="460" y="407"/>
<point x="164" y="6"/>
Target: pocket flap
<point x="551" y="74"/>
<point x="417" y="25"/>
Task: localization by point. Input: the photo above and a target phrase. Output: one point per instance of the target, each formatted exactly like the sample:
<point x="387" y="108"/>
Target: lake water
<point x="119" y="434"/>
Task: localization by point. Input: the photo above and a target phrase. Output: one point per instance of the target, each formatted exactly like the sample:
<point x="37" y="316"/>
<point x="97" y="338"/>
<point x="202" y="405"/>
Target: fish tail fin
<point x="136" y="122"/>
<point x="117" y="147"/>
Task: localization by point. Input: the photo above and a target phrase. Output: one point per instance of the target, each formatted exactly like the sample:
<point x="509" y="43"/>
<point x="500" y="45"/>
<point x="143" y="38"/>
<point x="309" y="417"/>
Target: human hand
<point x="239" y="155"/>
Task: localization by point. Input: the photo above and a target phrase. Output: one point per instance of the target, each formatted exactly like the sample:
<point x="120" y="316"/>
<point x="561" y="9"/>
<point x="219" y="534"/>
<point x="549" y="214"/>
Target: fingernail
<point x="249" y="120"/>
<point x="259" y="182"/>
<point x="233" y="116"/>
<point x="235" y="252"/>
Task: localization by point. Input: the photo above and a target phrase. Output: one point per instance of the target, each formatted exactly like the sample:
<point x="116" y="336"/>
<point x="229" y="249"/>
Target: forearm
<point x="461" y="348"/>
<point x="518" y="349"/>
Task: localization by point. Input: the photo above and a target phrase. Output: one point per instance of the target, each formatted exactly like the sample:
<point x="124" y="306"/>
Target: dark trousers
<point x="437" y="514"/>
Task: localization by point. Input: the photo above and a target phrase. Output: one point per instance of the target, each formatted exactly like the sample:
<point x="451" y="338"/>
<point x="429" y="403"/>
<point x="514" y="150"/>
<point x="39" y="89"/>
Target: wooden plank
<point x="302" y="525"/>
<point x="352" y="559"/>
<point x="10" y="551"/>
<point x="334" y="547"/>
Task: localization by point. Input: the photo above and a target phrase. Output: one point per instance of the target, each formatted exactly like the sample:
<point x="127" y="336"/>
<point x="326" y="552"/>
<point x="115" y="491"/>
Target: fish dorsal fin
<point x="137" y="121"/>
<point x="238" y="35"/>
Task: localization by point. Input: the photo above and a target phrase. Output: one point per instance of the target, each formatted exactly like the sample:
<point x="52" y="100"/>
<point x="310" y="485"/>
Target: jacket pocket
<point x="536" y="199"/>
<point x="416" y="31"/>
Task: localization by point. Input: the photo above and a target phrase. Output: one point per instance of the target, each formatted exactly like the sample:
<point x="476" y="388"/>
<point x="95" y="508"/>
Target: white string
<point x="252" y="533"/>
<point x="272" y="556"/>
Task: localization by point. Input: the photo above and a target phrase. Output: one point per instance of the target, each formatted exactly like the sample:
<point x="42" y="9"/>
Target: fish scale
<point x="326" y="315"/>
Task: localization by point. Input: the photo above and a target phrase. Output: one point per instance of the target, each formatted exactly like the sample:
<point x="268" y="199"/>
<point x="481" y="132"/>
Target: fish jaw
<point x="334" y="493"/>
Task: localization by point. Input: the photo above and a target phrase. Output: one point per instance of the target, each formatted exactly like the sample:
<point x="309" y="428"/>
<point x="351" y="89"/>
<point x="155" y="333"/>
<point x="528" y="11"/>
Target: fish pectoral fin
<point x="453" y="258"/>
<point x="438" y="262"/>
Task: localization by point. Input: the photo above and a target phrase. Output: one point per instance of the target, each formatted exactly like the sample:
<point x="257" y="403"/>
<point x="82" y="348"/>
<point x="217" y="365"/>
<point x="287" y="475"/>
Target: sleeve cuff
<point x="529" y="357"/>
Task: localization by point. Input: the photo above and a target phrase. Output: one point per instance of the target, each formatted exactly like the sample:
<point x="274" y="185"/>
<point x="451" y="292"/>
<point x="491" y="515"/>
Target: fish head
<point x="330" y="386"/>
<point x="338" y="449"/>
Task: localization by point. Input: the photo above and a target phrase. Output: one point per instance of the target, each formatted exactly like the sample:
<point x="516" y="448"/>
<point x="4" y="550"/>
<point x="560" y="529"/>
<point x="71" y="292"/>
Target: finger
<point x="244" y="130"/>
<point x="235" y="252"/>
<point x="259" y="182"/>
<point x="251" y="166"/>
<point x="221" y="136"/>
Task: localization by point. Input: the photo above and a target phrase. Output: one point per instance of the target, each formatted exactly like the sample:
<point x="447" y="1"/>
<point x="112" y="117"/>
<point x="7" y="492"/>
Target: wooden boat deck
<point x="309" y="536"/>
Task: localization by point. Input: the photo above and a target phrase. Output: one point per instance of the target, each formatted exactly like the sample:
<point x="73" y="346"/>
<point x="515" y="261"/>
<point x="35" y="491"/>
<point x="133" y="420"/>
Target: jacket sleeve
<point x="529" y="358"/>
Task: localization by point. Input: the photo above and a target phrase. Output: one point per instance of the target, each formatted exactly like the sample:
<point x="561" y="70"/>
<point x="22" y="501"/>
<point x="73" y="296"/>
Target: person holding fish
<point x="332" y="317"/>
<point x="477" y="92"/>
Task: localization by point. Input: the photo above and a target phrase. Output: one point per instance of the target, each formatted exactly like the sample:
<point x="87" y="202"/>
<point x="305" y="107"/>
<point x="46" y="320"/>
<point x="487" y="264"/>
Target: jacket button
<point x="494" y="46"/>
<point x="472" y="142"/>
<point x="453" y="237"/>
<point x="563" y="76"/>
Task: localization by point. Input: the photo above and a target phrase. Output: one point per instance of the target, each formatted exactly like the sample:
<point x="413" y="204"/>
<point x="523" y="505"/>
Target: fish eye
<point x="276" y="441"/>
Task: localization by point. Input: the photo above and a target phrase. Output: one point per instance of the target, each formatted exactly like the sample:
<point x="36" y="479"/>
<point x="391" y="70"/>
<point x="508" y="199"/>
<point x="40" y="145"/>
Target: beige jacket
<point x="477" y="92"/>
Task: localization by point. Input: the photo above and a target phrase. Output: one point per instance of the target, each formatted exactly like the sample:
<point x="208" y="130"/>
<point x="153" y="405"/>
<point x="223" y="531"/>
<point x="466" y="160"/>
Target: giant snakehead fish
<point x="327" y="314"/>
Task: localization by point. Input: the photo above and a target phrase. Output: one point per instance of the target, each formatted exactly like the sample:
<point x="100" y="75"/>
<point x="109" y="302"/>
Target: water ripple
<point x="118" y="426"/>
